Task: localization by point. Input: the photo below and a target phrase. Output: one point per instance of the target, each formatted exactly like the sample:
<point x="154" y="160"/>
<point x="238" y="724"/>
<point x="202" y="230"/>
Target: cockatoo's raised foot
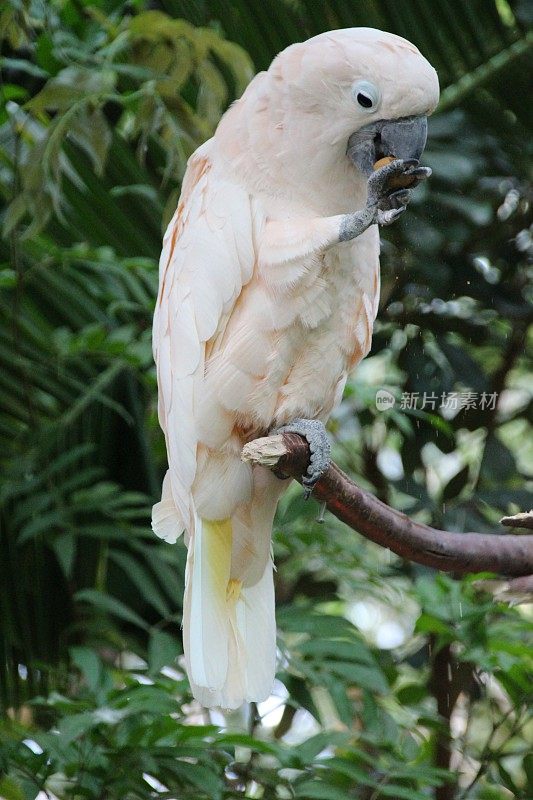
<point x="315" y="433"/>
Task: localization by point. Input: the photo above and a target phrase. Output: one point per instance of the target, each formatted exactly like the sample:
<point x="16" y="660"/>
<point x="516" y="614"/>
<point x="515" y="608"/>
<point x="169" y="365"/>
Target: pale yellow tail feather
<point x="210" y="555"/>
<point x="229" y="629"/>
<point x="258" y="630"/>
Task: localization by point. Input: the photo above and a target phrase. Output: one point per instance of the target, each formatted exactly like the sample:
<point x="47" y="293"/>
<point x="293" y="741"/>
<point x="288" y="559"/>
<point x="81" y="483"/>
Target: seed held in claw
<point x="382" y="162"/>
<point x="397" y="181"/>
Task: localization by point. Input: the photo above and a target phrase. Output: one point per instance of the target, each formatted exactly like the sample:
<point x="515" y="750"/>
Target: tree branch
<point x="506" y="554"/>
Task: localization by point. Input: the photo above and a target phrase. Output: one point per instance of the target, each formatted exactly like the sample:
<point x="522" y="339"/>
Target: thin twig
<point x="524" y="520"/>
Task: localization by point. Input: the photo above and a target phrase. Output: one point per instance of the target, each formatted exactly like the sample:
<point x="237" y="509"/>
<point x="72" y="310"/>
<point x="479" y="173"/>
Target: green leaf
<point x="411" y="694"/>
<point x="92" y="132"/>
<point x="8" y="279"/>
<point x="308" y="750"/>
<point x="355" y="650"/>
<point x="107" y="603"/>
<point x="203" y="778"/>
<point x="42" y="524"/>
<point x="304" y="620"/>
<point x="400" y="792"/>
<point x="69" y="86"/>
<point x="507" y="779"/>
<point x="353" y="771"/>
<point x="370" y="678"/>
<point x="455" y="486"/>
<point x="64" y="547"/>
<point x="427" y="623"/>
<point x="14" y="214"/>
<point x="251" y="742"/>
<point x="527" y="765"/>
<point x="151" y="700"/>
<point x="317" y="790"/>
<point x="10" y="789"/>
<point x="143" y="580"/>
<point x="74" y="726"/>
<point x="162" y="650"/>
<point x="89" y="665"/>
<point x="498" y="462"/>
<point x="23" y="65"/>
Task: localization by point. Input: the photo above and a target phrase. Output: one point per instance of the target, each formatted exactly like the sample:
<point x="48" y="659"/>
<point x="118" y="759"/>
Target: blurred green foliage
<point x="103" y="102"/>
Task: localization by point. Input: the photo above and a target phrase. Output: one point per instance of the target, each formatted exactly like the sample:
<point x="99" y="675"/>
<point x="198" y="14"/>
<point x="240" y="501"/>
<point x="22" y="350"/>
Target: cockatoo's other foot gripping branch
<point x="314" y="432"/>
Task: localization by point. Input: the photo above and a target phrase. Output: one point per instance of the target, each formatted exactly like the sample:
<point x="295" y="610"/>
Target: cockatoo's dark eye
<point x="364" y="100"/>
<point x="366" y="95"/>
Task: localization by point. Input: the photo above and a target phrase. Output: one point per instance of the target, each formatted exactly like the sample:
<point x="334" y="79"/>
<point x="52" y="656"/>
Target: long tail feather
<point x="206" y="620"/>
<point x="229" y="629"/>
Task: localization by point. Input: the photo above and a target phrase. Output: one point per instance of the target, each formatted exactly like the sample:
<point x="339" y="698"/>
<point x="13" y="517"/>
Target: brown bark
<point x="506" y="554"/>
<point x="440" y="684"/>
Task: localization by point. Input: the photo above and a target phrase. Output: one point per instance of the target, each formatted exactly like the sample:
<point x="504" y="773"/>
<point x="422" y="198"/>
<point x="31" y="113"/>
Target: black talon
<point x="400" y="195"/>
<point x="396" y="199"/>
<point x="420" y="173"/>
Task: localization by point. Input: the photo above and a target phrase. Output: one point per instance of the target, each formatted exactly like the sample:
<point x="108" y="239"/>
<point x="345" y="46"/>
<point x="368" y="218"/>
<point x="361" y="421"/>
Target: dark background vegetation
<point x="103" y="102"/>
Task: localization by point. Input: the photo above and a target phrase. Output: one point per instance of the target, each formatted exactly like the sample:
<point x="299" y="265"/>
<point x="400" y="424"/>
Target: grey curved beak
<point x="402" y="138"/>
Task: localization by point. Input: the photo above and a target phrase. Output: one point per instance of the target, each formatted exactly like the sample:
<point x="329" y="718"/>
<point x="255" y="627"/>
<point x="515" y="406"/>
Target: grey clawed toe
<point x="392" y="203"/>
<point x="315" y="433"/>
<point x="385" y="200"/>
<point x="390" y="215"/>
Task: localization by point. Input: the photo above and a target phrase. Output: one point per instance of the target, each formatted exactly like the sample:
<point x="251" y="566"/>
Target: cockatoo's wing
<point x="229" y="632"/>
<point x="207" y="258"/>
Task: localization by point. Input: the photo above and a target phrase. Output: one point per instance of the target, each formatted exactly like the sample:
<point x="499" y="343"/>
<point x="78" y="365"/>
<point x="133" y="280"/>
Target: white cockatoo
<point x="268" y="290"/>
